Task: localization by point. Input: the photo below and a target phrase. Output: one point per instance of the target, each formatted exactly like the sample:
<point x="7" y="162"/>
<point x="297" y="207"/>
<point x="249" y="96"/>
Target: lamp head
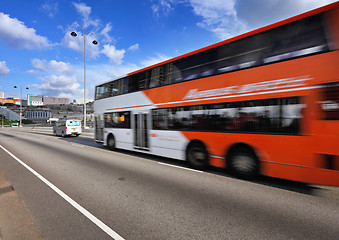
<point x="95" y="42"/>
<point x="74" y="34"/>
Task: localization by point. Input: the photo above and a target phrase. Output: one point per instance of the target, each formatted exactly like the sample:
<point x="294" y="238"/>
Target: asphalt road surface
<point x="74" y="188"/>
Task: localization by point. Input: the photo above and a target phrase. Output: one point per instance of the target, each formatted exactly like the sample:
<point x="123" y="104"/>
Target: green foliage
<point x="6" y="121"/>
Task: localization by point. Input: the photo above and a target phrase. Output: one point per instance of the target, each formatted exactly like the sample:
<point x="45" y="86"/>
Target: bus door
<point x="141" y="131"/>
<point x="99" y="128"/>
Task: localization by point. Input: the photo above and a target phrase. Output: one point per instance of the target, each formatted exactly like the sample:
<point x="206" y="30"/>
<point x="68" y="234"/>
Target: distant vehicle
<point x="265" y="102"/>
<point x="14" y="124"/>
<point x="67" y="127"/>
<point x="52" y="120"/>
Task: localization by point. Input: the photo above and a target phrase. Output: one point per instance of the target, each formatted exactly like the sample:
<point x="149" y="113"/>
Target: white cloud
<point x="154" y="60"/>
<point x="58" y="78"/>
<point x="73" y="42"/>
<point x="162" y="7"/>
<point x="134" y="47"/>
<point x="60" y="67"/>
<point x="41" y="65"/>
<point x="50" y="8"/>
<point x="104" y="32"/>
<point x="31" y="71"/>
<point x="273" y="10"/>
<point x="62" y="85"/>
<point x="4" y="70"/>
<point x="17" y="35"/>
<point x="83" y="9"/>
<point x="85" y="12"/>
<point x="113" y="54"/>
<point x="52" y="66"/>
<point x="77" y="44"/>
<point x="233" y="17"/>
<point x="219" y="17"/>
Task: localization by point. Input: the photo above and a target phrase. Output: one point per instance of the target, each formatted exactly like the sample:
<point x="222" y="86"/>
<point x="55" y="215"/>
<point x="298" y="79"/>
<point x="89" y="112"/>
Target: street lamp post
<point x="2" y="118"/>
<point x="20" y="102"/>
<point x="74" y="34"/>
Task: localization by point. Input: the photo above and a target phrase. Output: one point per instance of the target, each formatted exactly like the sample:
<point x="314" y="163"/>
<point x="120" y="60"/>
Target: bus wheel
<point x="63" y="134"/>
<point x="54" y="133"/>
<point x="197" y="156"/>
<point x="111" y="142"/>
<point x="244" y="163"/>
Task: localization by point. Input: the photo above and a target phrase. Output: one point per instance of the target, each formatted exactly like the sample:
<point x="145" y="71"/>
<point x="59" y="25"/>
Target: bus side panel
<point x="170" y="144"/>
<point x="303" y="174"/>
<point x="123" y="137"/>
<point x="307" y="68"/>
<point x="280" y="156"/>
<point x="278" y="148"/>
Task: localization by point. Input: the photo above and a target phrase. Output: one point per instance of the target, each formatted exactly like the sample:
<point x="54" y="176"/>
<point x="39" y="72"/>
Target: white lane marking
<point x="86" y="213"/>
<point x="193" y="170"/>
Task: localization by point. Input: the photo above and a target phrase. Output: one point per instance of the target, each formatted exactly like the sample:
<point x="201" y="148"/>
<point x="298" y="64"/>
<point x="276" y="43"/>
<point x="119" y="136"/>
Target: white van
<point x="67" y="127"/>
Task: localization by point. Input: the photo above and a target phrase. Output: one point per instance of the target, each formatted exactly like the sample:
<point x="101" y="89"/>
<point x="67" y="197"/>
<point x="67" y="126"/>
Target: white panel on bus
<point x="168" y="143"/>
<point x="123" y="102"/>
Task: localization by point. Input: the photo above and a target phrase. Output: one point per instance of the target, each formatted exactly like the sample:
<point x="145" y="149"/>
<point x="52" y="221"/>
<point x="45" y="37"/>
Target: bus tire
<point x="197" y="155"/>
<point x="111" y="142"/>
<point x="63" y="134"/>
<point x="244" y="163"/>
<point x="54" y="133"/>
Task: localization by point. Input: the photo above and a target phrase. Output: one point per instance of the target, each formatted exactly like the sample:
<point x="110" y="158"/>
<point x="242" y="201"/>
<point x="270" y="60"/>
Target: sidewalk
<point x="16" y="222"/>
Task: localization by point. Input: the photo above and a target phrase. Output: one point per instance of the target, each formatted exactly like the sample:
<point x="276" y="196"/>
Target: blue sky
<point x="37" y="50"/>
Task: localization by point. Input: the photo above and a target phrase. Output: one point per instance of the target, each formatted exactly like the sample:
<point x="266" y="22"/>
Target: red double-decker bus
<point x="265" y="102"/>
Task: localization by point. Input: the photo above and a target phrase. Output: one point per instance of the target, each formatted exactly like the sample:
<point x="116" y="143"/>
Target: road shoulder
<point x="15" y="221"/>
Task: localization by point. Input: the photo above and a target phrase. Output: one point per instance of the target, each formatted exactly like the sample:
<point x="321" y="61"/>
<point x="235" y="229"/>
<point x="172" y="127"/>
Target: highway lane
<point x="145" y="197"/>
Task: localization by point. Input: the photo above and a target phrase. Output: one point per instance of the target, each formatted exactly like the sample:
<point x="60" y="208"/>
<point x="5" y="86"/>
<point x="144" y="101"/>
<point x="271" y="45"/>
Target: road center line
<point x="189" y="169"/>
<point x="86" y="213"/>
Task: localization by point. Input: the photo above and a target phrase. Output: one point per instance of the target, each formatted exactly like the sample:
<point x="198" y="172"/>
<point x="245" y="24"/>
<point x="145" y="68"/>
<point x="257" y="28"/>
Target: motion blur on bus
<point x="262" y="103"/>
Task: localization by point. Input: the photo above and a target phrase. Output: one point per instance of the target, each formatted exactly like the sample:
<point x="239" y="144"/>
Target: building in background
<point x="38" y="114"/>
<point x="34" y="100"/>
<point x="10" y="101"/>
<point x="54" y="100"/>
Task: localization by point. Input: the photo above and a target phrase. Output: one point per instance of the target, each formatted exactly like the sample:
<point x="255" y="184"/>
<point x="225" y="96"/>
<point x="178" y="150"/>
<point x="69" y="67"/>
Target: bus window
<point x="160" y="120"/>
<point x="116" y="87"/>
<point x="292" y="113"/>
<point x="330" y="101"/>
<point x="99" y="92"/>
<point x="267" y="116"/>
<point x="297" y="39"/>
<point x="118" y="120"/>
